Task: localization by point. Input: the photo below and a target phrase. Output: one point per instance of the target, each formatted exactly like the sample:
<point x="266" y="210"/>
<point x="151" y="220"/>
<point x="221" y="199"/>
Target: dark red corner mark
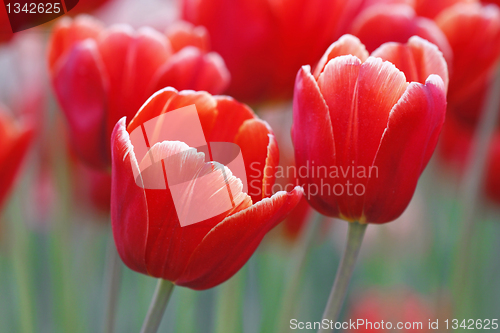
<point x="26" y="14"/>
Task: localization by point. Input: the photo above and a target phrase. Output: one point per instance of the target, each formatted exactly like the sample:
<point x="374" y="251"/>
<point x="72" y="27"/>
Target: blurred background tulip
<point x="109" y="73"/>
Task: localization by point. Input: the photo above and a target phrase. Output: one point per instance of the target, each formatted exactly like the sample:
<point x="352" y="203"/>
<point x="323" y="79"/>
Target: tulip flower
<point x="264" y="42"/>
<point x="364" y="134"/>
<point x="15" y="139"/>
<point x="146" y="225"/>
<point x="473" y="32"/>
<point x="101" y="74"/>
<point x="356" y="114"/>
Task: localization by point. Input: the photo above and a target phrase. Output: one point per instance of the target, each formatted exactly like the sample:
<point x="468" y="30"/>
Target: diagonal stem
<point x="158" y="305"/>
<point x="344" y="273"/>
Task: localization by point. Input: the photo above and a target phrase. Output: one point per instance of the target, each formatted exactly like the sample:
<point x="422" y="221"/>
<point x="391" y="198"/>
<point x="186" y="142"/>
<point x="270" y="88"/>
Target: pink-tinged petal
<point x="406" y="147"/>
<point x="396" y="23"/>
<point x="129" y="210"/>
<point x="206" y="105"/>
<point x="360" y="98"/>
<point x="230" y="116"/>
<point x="182" y="34"/>
<point x="156" y="105"/>
<point x="312" y="135"/>
<point x="346" y="45"/>
<point x="474" y="35"/>
<point x="228" y="246"/>
<point x="67" y="33"/>
<point x="431" y="8"/>
<point x="192" y="69"/>
<point x="170" y="99"/>
<point x="81" y="90"/>
<point x="170" y="245"/>
<point x="253" y="138"/>
<point x="417" y="59"/>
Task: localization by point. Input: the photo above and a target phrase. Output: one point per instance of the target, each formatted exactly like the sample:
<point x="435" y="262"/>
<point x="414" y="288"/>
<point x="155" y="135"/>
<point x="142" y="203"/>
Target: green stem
<point x="294" y="273"/>
<point x="112" y="279"/>
<point x="344" y="273"/>
<point x="158" y="305"/>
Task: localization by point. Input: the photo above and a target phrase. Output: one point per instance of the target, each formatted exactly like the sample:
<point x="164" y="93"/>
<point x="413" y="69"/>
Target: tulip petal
<point x="254" y="138"/>
<point x="129" y="210"/>
<point x="312" y="136"/>
<point x="360" y="98"/>
<point x="473" y="32"/>
<point x="396" y="23"/>
<point x="15" y="143"/>
<point x="170" y="245"/>
<point x="431" y="8"/>
<point x="68" y="32"/>
<point x="169" y="99"/>
<point x="230" y="116"/>
<point x="346" y="45"/>
<point x="192" y="69"/>
<point x="182" y="34"/>
<point x="407" y="145"/>
<point x="227" y="247"/>
<point x="417" y="59"/>
<point x="131" y="60"/>
<point x="80" y="90"/>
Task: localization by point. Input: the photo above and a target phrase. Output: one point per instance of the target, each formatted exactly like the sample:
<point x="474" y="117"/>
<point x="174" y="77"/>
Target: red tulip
<point x="146" y="226"/>
<point x="362" y="132"/>
<point x="100" y="75"/>
<point x="474" y="35"/>
<point x="265" y="42"/>
<point x="15" y="139"/>
<point x="383" y="23"/>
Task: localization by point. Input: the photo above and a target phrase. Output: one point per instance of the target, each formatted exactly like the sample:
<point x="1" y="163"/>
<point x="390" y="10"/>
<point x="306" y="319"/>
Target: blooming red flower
<point x="146" y="226"/>
<point x="473" y="32"/>
<point x="364" y="133"/>
<point x="264" y="42"/>
<point x="102" y="74"/>
<point x="15" y="139"/>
